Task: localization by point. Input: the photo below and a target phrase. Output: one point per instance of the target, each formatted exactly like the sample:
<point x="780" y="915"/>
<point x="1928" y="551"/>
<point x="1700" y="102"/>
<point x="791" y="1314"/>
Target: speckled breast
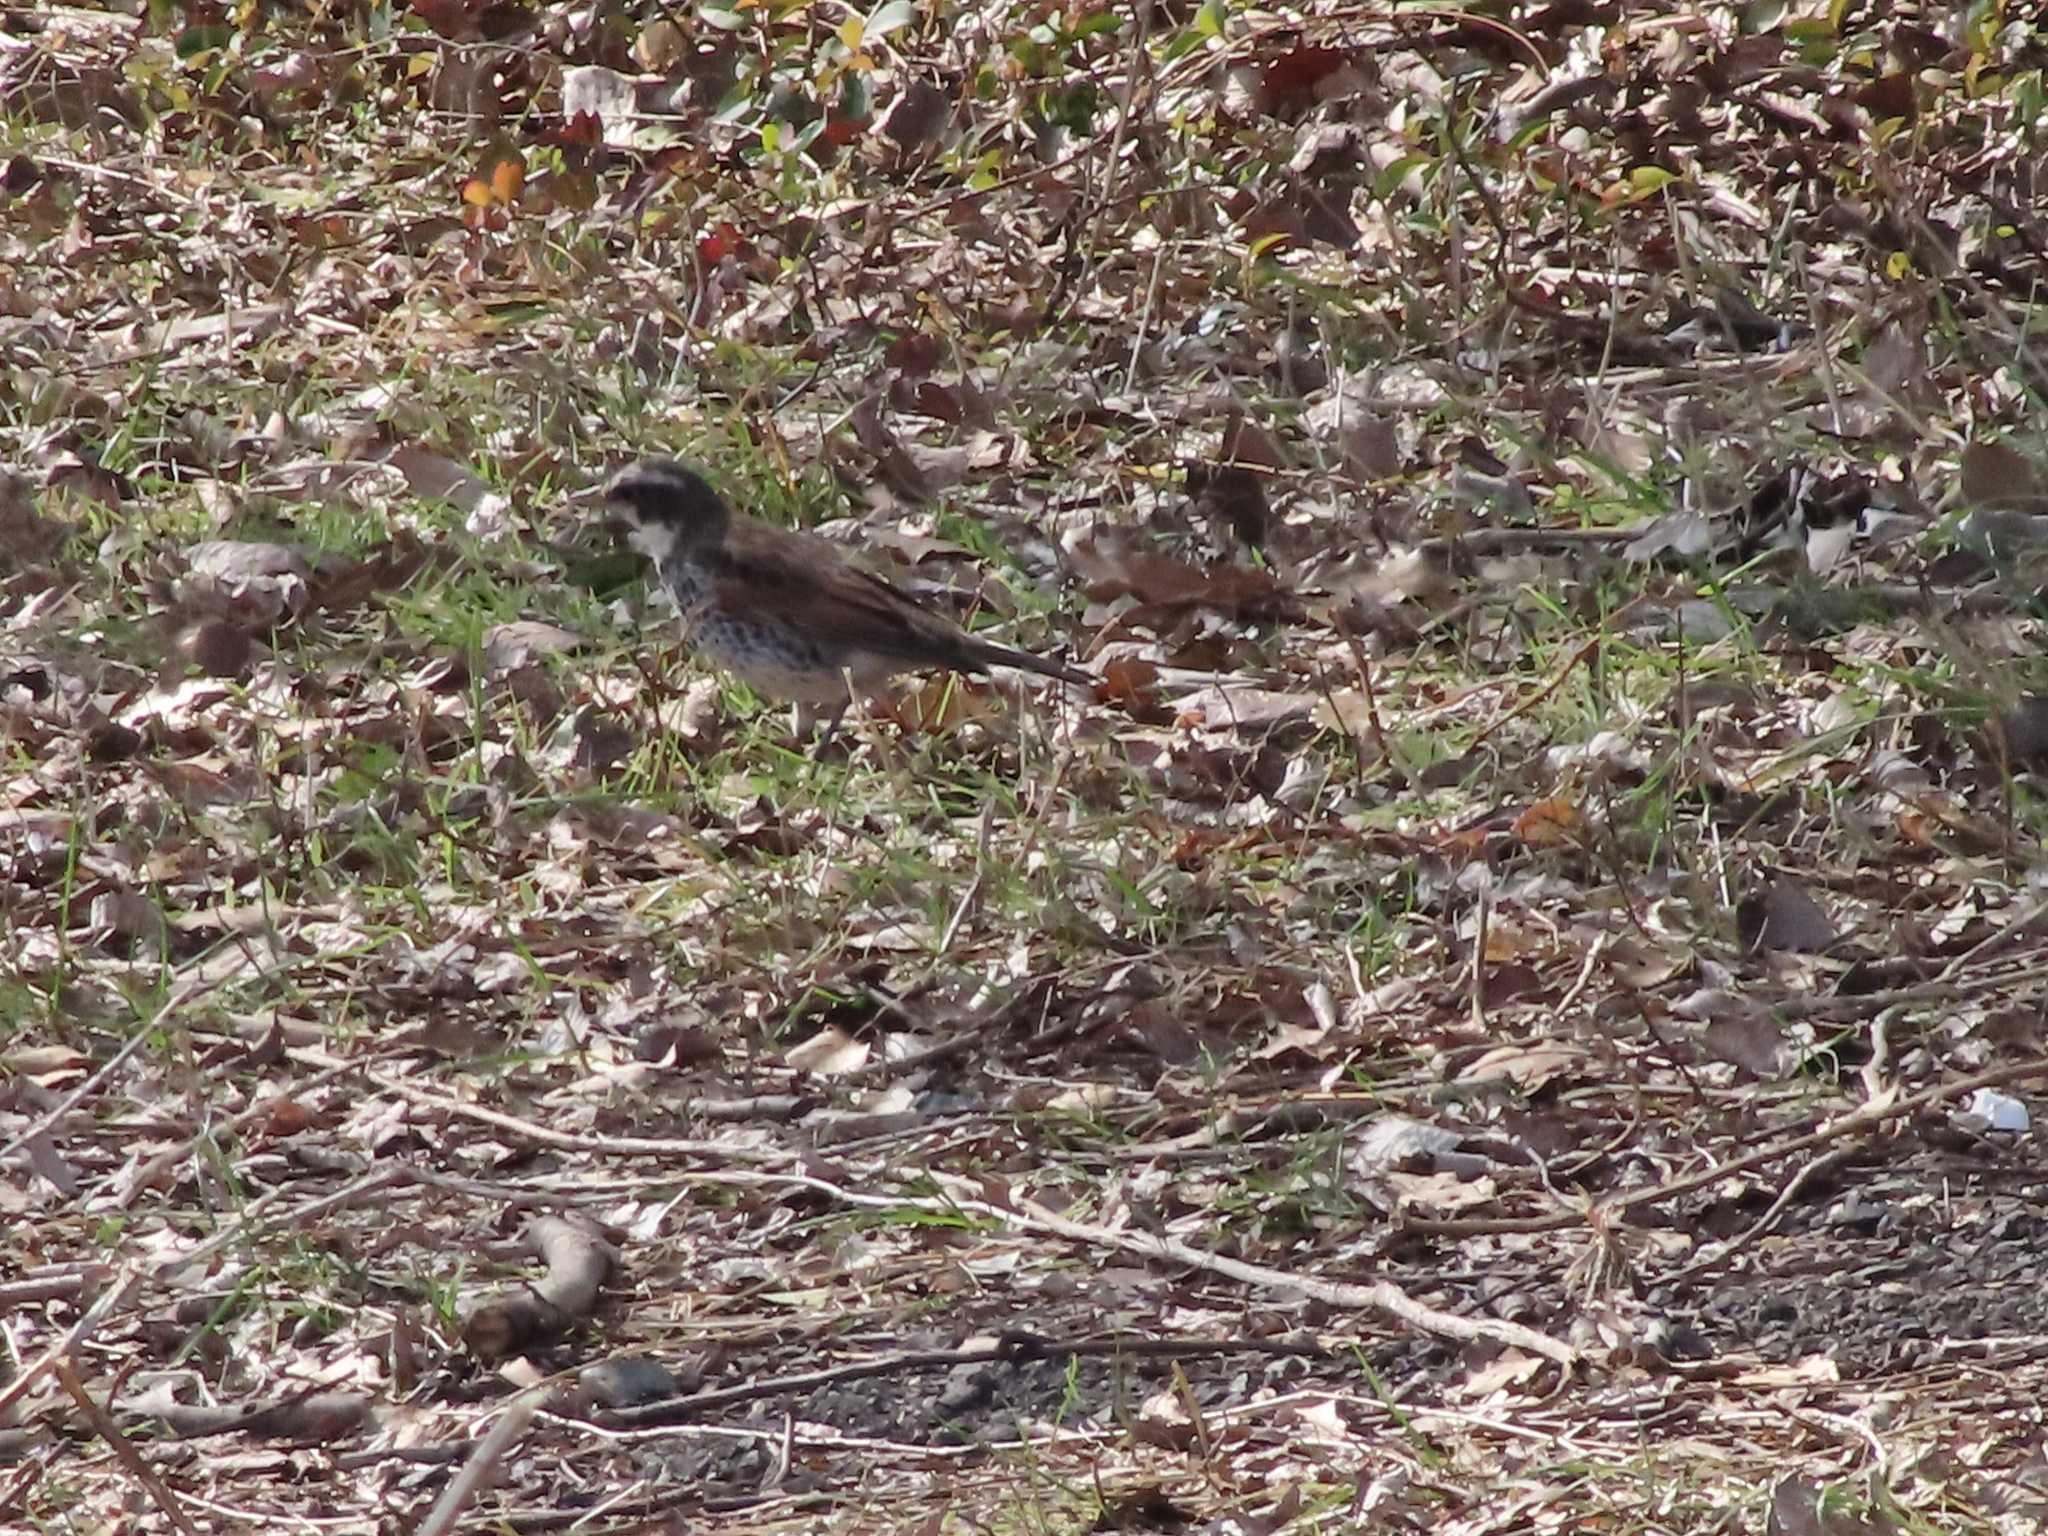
<point x="688" y="584"/>
<point x="772" y="658"/>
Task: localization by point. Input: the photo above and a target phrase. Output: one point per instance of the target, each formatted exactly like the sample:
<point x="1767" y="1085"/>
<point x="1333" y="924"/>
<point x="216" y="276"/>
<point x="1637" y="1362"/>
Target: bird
<point x="786" y="612"/>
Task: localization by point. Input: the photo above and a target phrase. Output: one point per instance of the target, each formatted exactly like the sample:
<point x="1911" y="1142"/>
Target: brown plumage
<point x="784" y="611"/>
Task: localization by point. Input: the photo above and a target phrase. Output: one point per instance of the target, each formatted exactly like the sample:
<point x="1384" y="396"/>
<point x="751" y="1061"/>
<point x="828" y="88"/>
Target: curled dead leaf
<point x="831" y="1052"/>
<point x="1109" y="566"/>
<point x="1530" y="1067"/>
<point x="1551" y="824"/>
<point x="248" y="582"/>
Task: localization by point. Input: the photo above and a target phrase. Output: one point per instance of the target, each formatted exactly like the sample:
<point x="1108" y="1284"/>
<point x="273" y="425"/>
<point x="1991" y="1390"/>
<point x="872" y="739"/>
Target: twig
<point x="78" y="1333"/>
<point x="1125" y="98"/>
<point x="1583" y="654"/>
<point x="124" y="1449"/>
<point x="252" y="1220"/>
<point x="199" y="986"/>
<point x="1480" y="924"/>
<point x="481" y="1469"/>
<point x="634" y="1146"/>
<point x="1144" y="319"/>
<point x="1011" y="1349"/>
<point x="1861" y="1118"/>
<point x="1372" y="703"/>
<point x="1524" y="541"/>
<point x="2003" y="936"/>
<point x="973" y="891"/>
<point x="1756" y="1229"/>
<point x="1036" y="993"/>
<point x="1381" y="1296"/>
<point x="147" y="1176"/>
<point x="1859" y="1004"/>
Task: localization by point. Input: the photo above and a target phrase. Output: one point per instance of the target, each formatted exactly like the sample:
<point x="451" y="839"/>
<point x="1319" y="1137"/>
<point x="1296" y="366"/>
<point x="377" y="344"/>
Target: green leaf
<point x="1383" y="185"/>
<point x="195" y="42"/>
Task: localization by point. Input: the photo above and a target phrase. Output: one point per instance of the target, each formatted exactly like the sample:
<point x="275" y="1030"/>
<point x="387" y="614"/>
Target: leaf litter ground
<point x="1515" y="1001"/>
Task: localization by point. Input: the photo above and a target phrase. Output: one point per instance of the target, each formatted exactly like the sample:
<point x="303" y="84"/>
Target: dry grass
<point x="1496" y="865"/>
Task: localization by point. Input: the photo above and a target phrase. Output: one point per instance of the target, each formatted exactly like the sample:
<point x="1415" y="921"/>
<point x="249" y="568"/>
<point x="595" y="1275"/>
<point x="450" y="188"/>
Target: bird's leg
<point x="847" y="699"/>
<point x="831" y="728"/>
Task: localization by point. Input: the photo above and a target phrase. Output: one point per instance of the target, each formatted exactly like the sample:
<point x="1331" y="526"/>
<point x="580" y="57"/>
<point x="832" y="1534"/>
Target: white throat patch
<point x="657" y="541"/>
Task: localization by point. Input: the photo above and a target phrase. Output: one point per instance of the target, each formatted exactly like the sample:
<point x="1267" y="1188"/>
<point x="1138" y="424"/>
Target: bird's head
<point x="668" y="508"/>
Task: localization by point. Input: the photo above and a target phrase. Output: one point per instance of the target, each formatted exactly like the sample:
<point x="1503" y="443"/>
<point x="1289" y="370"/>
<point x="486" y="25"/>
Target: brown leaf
<point x="1783" y="916"/>
<point x="453" y="19"/>
<point x="344" y="584"/>
<point x="2024" y="728"/>
<point x="1998" y="474"/>
<point x="525" y="641"/>
<point x="89" y="479"/>
<point x="1225" y="706"/>
<point x="913" y="354"/>
<point x="917" y="117"/>
<point x="26" y="535"/>
<point x="1371" y="446"/>
<point x="1529" y="1067"/>
<point x="1889" y="95"/>
<point x="215" y="647"/>
<point x="1246" y="442"/>
<point x="1551" y="824"/>
<point x="893" y="463"/>
<point x="1128" y="680"/>
<point x="1109" y="568"/>
<point x="1232" y="496"/>
<point x="1746" y="1036"/>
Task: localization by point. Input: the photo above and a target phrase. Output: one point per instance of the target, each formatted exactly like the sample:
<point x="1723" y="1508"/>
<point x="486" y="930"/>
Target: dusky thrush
<point x="783" y="611"/>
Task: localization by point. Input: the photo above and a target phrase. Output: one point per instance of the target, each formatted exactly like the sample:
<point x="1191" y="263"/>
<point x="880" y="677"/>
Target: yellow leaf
<point x="500" y="175"/>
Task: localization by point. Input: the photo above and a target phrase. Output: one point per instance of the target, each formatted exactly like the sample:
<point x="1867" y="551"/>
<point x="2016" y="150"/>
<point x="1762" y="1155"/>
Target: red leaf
<point x="914" y="354"/>
<point x="1290" y="81"/>
<point x="721" y="241"/>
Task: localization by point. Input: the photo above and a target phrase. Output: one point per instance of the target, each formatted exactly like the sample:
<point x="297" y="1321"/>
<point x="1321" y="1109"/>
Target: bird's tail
<point x="986" y="654"/>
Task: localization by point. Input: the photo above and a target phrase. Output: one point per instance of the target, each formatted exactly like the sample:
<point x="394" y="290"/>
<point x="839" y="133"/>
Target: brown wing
<point x="804" y="579"/>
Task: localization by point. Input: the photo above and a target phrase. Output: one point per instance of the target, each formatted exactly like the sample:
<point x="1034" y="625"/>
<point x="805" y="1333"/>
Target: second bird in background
<point x="785" y="612"/>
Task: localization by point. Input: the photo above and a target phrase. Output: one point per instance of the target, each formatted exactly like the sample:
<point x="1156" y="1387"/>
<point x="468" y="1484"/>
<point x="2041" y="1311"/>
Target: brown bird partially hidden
<point x="784" y="611"/>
